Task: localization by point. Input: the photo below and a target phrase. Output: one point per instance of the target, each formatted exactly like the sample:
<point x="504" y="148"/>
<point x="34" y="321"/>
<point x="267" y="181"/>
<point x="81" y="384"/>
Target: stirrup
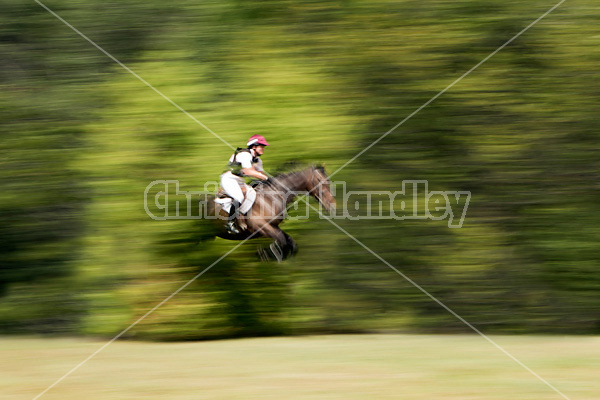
<point x="231" y="228"/>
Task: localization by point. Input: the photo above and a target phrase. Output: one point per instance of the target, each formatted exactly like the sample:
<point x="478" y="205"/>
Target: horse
<point x="268" y="210"/>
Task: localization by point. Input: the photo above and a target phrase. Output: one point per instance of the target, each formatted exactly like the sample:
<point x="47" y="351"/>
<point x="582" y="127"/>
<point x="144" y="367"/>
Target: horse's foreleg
<point x="278" y="247"/>
<point x="291" y="245"/>
<point x="283" y="245"/>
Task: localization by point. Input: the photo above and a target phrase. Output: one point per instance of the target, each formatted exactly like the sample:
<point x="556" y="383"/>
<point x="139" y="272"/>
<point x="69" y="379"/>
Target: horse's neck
<point x="294" y="183"/>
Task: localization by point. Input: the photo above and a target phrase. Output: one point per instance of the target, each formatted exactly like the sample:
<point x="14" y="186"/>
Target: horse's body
<point x="268" y="211"/>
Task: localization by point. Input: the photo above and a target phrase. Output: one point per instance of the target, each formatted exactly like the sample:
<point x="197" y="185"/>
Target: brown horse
<point x="268" y="211"/>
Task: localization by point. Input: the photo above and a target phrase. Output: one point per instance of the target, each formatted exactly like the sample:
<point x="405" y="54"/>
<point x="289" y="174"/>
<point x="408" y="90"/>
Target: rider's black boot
<point x="230" y="225"/>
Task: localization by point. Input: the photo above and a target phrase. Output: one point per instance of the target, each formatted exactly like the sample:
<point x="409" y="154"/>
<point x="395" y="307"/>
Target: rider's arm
<point x="254" y="173"/>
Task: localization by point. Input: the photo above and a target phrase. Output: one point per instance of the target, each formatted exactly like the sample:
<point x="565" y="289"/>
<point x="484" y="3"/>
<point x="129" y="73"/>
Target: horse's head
<point x="320" y="188"/>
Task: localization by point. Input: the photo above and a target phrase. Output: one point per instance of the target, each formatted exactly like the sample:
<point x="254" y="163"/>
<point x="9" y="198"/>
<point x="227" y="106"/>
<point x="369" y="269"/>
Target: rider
<point x="244" y="162"/>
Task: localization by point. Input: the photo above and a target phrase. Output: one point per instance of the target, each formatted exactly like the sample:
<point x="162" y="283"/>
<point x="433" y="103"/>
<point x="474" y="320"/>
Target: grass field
<point x="315" y="367"/>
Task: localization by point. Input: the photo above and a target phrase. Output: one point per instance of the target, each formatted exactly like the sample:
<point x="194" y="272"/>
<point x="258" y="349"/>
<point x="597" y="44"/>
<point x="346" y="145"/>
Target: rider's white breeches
<point x="233" y="187"/>
<point x="249" y="200"/>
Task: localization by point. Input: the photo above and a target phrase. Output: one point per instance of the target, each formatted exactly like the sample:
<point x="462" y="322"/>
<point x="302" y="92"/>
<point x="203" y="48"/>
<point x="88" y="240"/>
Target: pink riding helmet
<point x="257" y="139"/>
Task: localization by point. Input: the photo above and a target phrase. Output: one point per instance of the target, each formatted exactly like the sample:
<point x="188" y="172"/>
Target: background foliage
<point x="81" y="139"/>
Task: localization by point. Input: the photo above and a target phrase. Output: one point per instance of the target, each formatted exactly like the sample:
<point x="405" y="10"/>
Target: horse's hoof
<point x="263" y="255"/>
<point x="272" y="253"/>
<point x="277" y="251"/>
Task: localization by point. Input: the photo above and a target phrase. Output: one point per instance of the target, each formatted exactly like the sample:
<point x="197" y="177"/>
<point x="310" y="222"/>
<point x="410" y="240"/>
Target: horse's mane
<point x="286" y="178"/>
<point x="298" y="170"/>
<point x="285" y="175"/>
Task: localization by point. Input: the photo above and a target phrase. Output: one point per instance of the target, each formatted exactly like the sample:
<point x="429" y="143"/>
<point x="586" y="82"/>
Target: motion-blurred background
<point x="81" y="138"/>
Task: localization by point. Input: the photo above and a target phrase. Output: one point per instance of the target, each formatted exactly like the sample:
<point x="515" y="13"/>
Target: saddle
<point x="226" y="201"/>
<point x="221" y="194"/>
